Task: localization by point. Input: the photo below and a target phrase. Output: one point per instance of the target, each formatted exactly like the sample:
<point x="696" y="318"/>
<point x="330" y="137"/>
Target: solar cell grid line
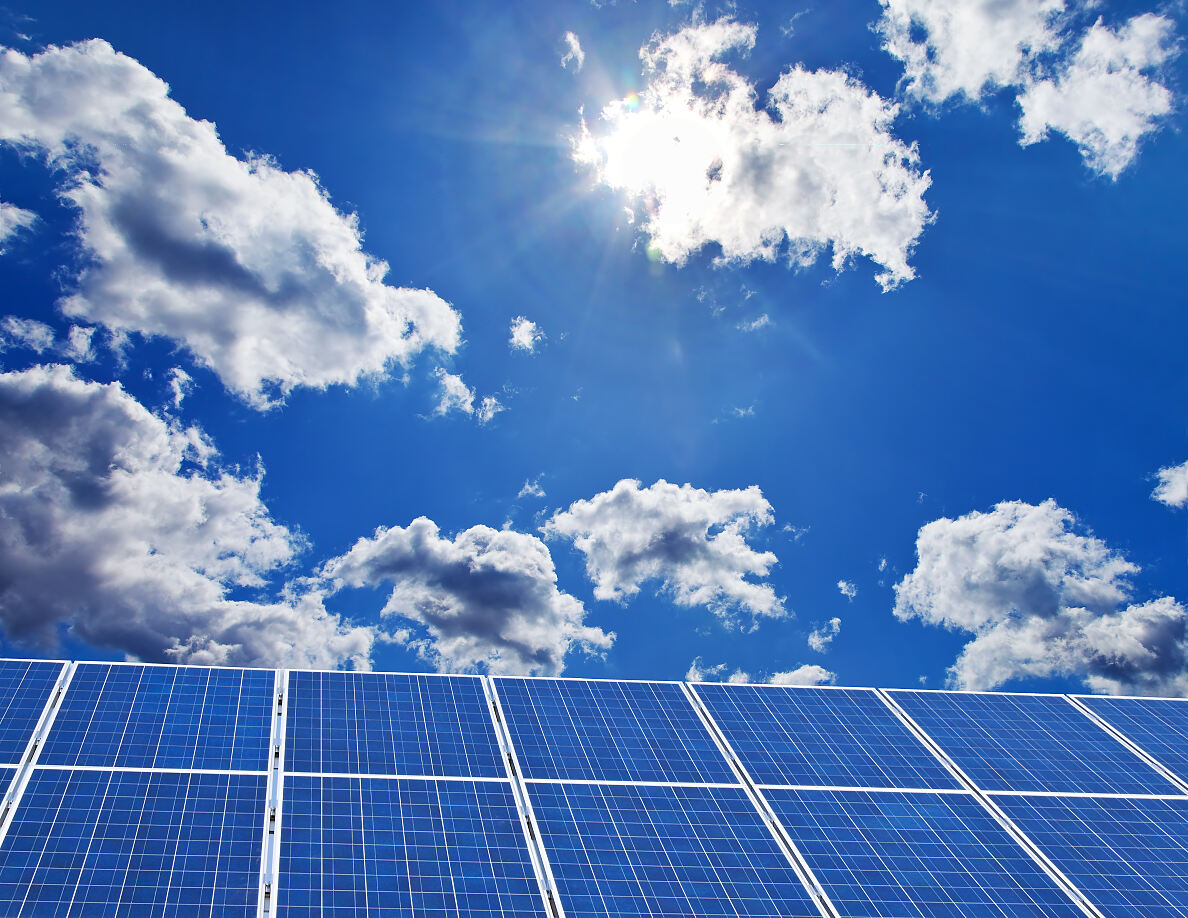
<point x="121" y="842"/>
<point x="917" y="854"/>
<point x="26" y="687"/>
<point x="390" y="723"/>
<point x="1157" y="726"/>
<point x="590" y="729"/>
<point x="161" y="716"/>
<point x="1129" y="855"/>
<point x="820" y="736"/>
<point x="1028" y="742"/>
<point x="385" y="846"/>
<point x="637" y="851"/>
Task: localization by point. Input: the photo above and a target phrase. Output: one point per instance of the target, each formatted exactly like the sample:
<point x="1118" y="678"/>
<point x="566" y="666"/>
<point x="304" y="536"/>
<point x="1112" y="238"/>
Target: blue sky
<point x="834" y="342"/>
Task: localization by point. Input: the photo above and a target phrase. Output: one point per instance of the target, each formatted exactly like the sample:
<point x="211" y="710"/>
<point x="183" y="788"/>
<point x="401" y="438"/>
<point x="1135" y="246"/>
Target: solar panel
<point x="1029" y="743"/>
<point x="593" y="730"/>
<point x="1158" y="725"/>
<point x="651" y="850"/>
<point x="25" y="687"/>
<point x="1129" y="856"/>
<point x="399" y="846"/>
<point x="821" y="737"/>
<point x="99" y="842"/>
<point x="120" y="716"/>
<point x="389" y="723"/>
<point x="915" y="855"/>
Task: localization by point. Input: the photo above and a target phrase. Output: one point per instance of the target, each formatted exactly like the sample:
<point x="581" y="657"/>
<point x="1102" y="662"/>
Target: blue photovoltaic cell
<point x="25" y="687"/>
<point x="390" y="724"/>
<point x="117" y="716"/>
<point x="1128" y="856"/>
<point x="125" y="843"/>
<point x="609" y="731"/>
<point x="635" y="851"/>
<point x="821" y="737"/>
<point x="1029" y="743"/>
<point x="1158" y="725"/>
<point x="915" y="855"/>
<point x="400" y="846"/>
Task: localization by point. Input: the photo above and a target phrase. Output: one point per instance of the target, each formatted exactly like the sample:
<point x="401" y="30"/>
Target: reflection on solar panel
<point x="385" y="723"/>
<point x="629" y="731"/>
<point x="1158" y="725"/>
<point x="635" y="851"/>
<point x="25" y="687"/>
<point x="398" y="846"/>
<point x="134" y="843"/>
<point x="915" y="854"/>
<point x="1029" y="743"/>
<point x="1128" y="856"/>
<point x="163" y="717"/>
<point x="821" y="737"/>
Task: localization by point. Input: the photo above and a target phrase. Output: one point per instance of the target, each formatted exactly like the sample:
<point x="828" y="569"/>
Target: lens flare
<point x="631" y="102"/>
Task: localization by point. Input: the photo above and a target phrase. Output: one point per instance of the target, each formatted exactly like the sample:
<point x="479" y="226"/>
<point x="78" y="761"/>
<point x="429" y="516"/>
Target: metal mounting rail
<point x="270" y="851"/>
<point x="987" y="801"/>
<point x="540" y="859"/>
<point x="816" y="891"/>
<point x="16" y="789"/>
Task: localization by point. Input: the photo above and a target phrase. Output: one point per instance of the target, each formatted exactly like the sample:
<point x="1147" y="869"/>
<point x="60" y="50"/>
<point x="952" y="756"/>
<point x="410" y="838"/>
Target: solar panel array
<point x="175" y="791"/>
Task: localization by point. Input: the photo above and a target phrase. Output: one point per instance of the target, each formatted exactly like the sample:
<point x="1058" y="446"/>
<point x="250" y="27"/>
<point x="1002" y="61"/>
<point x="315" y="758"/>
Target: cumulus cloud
<point x="26" y="333"/>
<point x="79" y="346"/>
<point x="180" y="385"/>
<point x="573" y="52"/>
<point x="453" y="394"/>
<point x="124" y="530"/>
<point x="1172" y="490"/>
<point x="488" y="408"/>
<point x="1104" y="100"/>
<point x="693" y="542"/>
<point x="821" y="172"/>
<point x="755" y="324"/>
<point x="13" y="219"/>
<point x="966" y="47"/>
<point x="525" y="335"/>
<point x="1099" y="88"/>
<point x="820" y="638"/>
<point x="809" y="674"/>
<point x="487" y="599"/>
<point x="847" y="589"/>
<point x="1042" y="598"/>
<point x="249" y="267"/>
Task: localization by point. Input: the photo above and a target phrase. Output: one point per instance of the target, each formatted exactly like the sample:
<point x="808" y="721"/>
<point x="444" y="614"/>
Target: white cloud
<point x="249" y="267"/>
<point x="525" y="335"/>
<point x="488" y="598"/>
<point x="532" y="488"/>
<point x="180" y="385"/>
<point x="847" y="589"/>
<point x="453" y="393"/>
<point x="708" y="168"/>
<point x="1042" y="599"/>
<point x="882" y="565"/>
<point x="124" y="530"/>
<point x="79" y="344"/>
<point x="26" y="333"/>
<point x="820" y="638"/>
<point x="809" y="674"/>
<point x="1103" y="100"/>
<point x="755" y="324"/>
<point x="573" y="52"/>
<point x="966" y="47"/>
<point x="488" y="408"/>
<point x="13" y="219"/>
<point x="1102" y="96"/>
<point x="692" y="541"/>
<point x="1172" y="490"/>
